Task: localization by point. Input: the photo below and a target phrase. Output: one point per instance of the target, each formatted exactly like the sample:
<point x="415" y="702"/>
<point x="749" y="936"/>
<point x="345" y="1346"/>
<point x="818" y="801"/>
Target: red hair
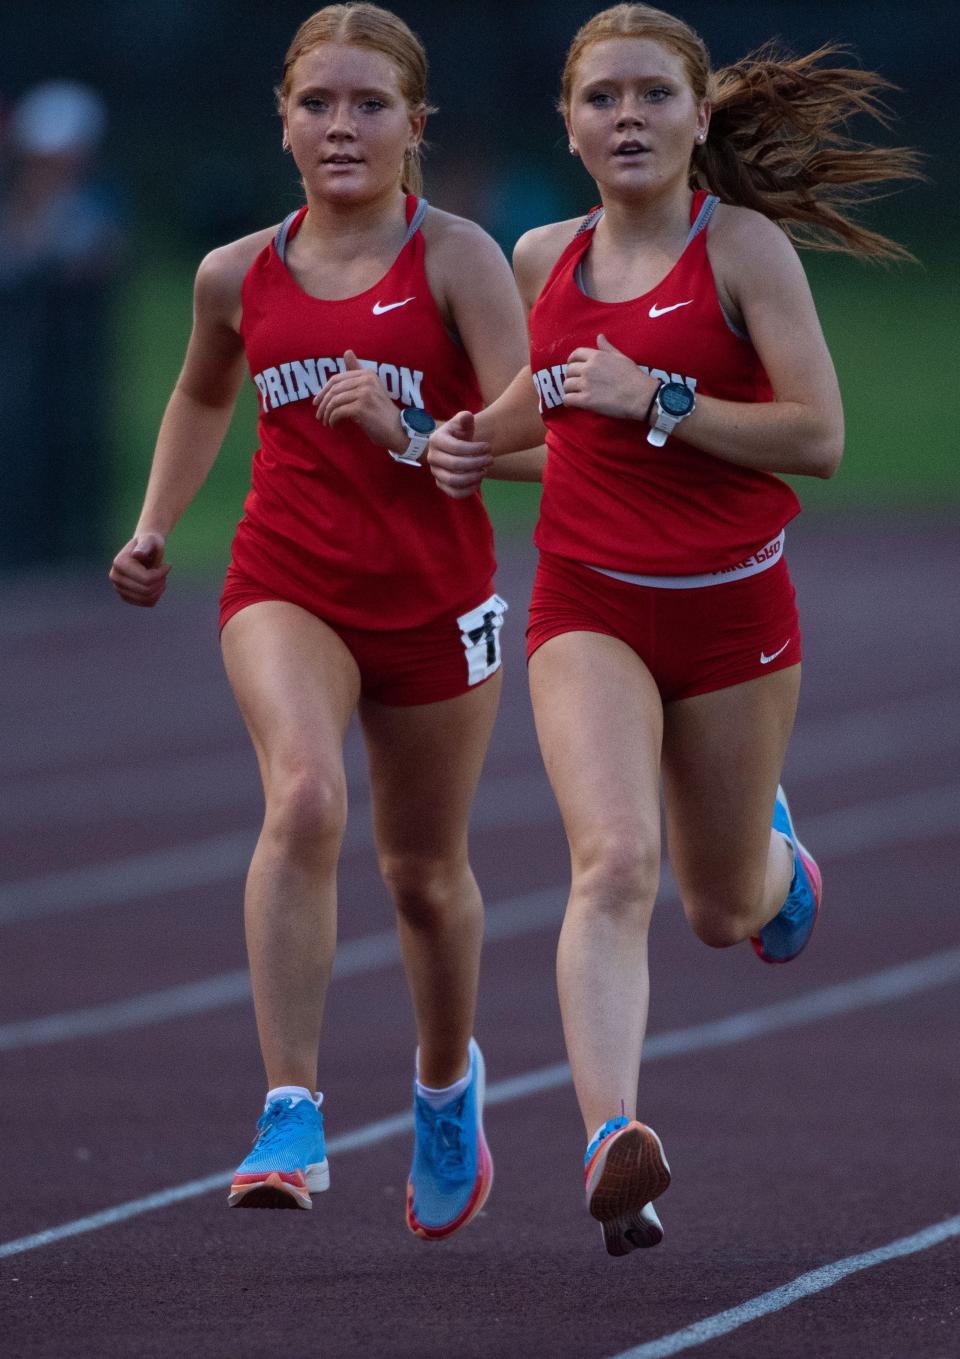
<point x="777" y="139"/>
<point x="363" y="25"/>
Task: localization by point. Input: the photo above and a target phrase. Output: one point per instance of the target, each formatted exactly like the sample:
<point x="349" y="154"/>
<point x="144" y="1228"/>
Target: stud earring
<point x="571" y="148"/>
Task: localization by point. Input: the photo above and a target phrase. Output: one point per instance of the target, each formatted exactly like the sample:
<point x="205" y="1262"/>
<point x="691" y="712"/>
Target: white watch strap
<point x="413" y="452"/>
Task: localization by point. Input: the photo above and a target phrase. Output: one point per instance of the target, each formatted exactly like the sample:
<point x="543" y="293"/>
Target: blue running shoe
<point x="624" y="1170"/>
<point x="288" y="1159"/>
<point x="788" y="933"/>
<point x="452" y="1170"/>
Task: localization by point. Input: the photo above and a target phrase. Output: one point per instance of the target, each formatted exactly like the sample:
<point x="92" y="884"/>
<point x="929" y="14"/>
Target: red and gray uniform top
<point x="610" y="498"/>
<point x="375" y="543"/>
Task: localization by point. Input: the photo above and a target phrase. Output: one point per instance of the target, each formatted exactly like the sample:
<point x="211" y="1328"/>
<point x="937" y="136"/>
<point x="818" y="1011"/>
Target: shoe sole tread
<point x="632" y="1174"/>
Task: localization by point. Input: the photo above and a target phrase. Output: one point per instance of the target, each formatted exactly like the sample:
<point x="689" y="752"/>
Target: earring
<point x="702" y="138"/>
<point x="571" y="148"/>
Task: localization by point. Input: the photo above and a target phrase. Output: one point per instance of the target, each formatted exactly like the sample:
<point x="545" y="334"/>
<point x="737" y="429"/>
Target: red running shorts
<point x="441" y="659"/>
<point x="692" y="641"/>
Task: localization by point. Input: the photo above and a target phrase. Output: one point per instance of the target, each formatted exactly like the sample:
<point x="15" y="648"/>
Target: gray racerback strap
<point x="702" y="219"/>
<point x="710" y="204"/>
<point x="283" y="231"/>
<point x="589" y="221"/>
<point x="416" y="221"/>
<point x="701" y="222"/>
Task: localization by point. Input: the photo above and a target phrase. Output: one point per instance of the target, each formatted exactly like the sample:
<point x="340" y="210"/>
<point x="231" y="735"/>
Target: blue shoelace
<point x="611" y="1125"/>
<point x="446" y="1148"/>
<point x="270" y="1123"/>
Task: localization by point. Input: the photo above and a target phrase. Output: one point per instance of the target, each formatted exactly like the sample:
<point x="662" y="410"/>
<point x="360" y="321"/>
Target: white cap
<point x="56" y="117"/>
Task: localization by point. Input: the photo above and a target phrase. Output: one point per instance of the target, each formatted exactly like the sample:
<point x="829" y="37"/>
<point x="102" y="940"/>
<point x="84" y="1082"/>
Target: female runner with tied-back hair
<point x="354" y="585"/>
<point x="678" y="365"/>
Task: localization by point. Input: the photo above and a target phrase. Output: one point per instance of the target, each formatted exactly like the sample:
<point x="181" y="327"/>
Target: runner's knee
<point x="616" y="874"/>
<point x="306" y="812"/>
<point x="723" y="919"/>
<point x="424" y="888"/>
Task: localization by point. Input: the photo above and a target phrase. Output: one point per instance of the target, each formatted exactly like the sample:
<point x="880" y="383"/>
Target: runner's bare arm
<point x="195" y="420"/>
<point x="485" y="311"/>
<point x="199" y="410"/>
<point x="762" y="284"/>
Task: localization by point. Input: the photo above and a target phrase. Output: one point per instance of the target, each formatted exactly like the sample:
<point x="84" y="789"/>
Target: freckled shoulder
<point x="537" y="251"/>
<point x="221" y="274"/>
<point x="457" y="240"/>
<point x="462" y="260"/>
<point x="748" y="252"/>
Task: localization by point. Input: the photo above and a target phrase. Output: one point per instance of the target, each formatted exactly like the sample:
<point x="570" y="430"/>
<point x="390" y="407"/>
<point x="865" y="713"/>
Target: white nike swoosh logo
<point x="765" y="659"/>
<point x="379" y="308"/>
<point x="656" y="311"/>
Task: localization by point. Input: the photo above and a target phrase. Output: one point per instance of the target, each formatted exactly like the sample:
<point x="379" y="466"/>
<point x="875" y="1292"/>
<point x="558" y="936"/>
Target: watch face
<point x="676" y="398"/>
<point x="419" y="420"/>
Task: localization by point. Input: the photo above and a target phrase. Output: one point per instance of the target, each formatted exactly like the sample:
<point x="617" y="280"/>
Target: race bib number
<point x="480" y="634"/>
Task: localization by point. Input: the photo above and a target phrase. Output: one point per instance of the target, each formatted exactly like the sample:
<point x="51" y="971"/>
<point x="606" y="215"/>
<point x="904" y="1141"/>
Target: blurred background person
<point x="60" y="253"/>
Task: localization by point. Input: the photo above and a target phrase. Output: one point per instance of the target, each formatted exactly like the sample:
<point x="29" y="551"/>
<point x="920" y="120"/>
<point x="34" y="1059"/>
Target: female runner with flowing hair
<point x="678" y="365"/>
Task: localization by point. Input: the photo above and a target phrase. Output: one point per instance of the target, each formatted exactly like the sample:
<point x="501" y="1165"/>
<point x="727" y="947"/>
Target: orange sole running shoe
<point x="288" y="1160"/>
<point x="625" y="1170"/>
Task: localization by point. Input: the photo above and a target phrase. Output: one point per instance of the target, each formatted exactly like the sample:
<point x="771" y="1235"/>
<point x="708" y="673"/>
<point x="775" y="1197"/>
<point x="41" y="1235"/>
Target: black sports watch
<point x="418" y="426"/>
<point x="673" y="402"/>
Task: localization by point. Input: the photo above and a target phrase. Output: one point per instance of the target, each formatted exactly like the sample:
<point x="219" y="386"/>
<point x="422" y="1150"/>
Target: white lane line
<point x="62" y="775"/>
<point x="885" y="824"/>
<point x="129" y="879"/>
<point x="722" y="1323"/>
<point x="906" y="818"/>
<point x="506" y="920"/>
<point x="520" y="799"/>
<point x="892" y="984"/>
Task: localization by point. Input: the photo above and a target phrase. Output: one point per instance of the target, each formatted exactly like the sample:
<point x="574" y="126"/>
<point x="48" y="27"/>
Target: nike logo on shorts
<point x="656" y="311"/>
<point x="380" y="307"/>
<point x="765" y="659"/>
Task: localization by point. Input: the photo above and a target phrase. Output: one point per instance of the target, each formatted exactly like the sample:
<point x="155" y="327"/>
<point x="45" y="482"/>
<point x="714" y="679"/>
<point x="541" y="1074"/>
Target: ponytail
<point x="778" y="141"/>
<point x="778" y="144"/>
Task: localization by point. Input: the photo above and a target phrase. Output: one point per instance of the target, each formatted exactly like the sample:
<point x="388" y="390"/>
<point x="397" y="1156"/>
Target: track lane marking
<point x="840" y="741"/>
<point x="891" y="984"/>
<point x="521" y="799"/>
<point x="506" y="920"/>
<point x="922" y="814"/>
<point x="815" y="1281"/>
<point x="905" y="819"/>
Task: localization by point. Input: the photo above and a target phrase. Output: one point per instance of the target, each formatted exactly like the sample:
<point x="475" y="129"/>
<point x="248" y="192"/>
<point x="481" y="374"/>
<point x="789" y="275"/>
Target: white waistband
<point x="758" y="561"/>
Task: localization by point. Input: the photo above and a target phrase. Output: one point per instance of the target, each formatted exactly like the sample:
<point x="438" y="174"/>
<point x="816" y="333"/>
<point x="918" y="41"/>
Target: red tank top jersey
<point x="612" y="499"/>
<point x="375" y="542"/>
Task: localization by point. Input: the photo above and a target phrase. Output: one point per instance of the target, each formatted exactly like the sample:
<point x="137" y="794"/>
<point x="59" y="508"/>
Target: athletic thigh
<point x="425" y="762"/>
<point x="723" y="753"/>
<point x="600" y="724"/>
<point x="296" y="685"/>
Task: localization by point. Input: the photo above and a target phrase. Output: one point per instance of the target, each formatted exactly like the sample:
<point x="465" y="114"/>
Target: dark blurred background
<point x="165" y="142"/>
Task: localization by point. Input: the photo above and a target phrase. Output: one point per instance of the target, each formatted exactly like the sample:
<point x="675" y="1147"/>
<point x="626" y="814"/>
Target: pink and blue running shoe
<point x="788" y="933"/>
<point x="625" y="1170"/>
<point x="288" y="1160"/>
<point x="452" y="1171"/>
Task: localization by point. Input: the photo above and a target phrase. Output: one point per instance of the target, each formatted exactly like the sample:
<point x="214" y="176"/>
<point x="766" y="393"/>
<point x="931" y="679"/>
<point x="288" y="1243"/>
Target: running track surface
<point x="809" y="1112"/>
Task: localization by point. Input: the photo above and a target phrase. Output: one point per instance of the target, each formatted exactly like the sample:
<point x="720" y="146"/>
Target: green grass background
<point x="892" y="333"/>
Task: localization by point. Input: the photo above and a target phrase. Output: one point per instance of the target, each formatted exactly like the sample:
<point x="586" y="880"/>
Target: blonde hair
<point x="777" y="138"/>
<point x="363" y="25"/>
